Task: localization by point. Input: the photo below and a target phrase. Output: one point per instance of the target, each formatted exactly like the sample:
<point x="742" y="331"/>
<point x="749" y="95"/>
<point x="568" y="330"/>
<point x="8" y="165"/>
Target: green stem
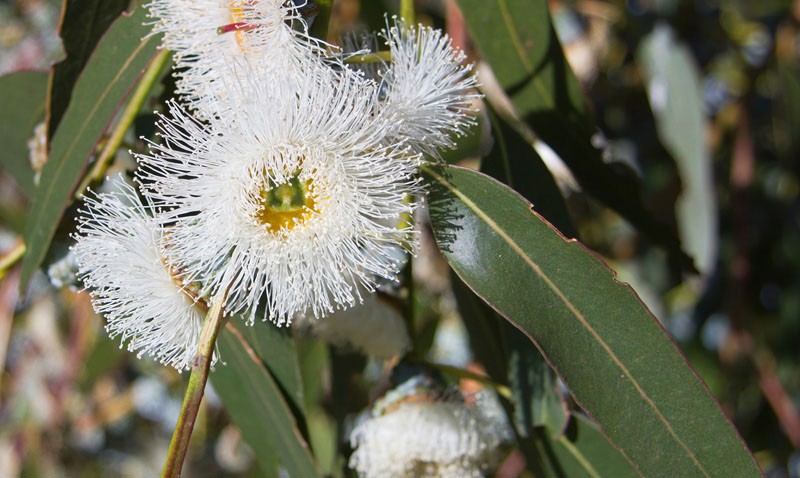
<point x="374" y="57"/>
<point x="132" y="109"/>
<point x="194" y="391"/>
<point x="10" y="258"/>
<point x="407" y="11"/>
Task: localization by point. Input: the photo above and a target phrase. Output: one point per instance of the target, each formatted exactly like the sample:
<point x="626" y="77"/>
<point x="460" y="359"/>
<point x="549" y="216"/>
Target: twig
<point x="194" y="391"/>
<point x="11" y="257"/>
<point x="128" y="116"/>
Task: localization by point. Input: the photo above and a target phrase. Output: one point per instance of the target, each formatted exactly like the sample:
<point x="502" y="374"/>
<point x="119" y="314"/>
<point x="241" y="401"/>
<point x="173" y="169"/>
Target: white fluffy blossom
<point x="443" y="439"/>
<point x="426" y="89"/>
<point x="118" y="251"/>
<point x="293" y="200"/>
<point x="206" y="36"/>
<point x="375" y="328"/>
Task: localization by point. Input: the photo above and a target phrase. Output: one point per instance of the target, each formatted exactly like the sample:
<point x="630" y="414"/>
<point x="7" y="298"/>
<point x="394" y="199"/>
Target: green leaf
<point x="113" y="69"/>
<point x="22" y="95"/>
<point x="510" y="360"/>
<point x="614" y="356"/>
<point x="586" y="452"/>
<point x="677" y="103"/>
<point x="83" y="23"/>
<point x="256" y="405"/>
<point x="277" y="349"/>
<point x="517" y="39"/>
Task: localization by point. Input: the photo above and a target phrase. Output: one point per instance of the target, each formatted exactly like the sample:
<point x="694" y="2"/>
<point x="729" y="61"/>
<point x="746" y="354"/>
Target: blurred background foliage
<point x="699" y="99"/>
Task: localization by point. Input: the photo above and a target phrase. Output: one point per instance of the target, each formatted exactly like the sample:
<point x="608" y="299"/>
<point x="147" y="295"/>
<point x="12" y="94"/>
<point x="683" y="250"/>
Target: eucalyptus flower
<point x="207" y="35"/>
<point x="427" y="88"/>
<point x="293" y="200"/>
<point x="375" y="328"/>
<point x="119" y="254"/>
<point x="411" y="433"/>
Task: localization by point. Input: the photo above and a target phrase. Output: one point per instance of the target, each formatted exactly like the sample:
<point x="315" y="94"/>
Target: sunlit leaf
<point x="614" y="356"/>
<point x="677" y="103"/>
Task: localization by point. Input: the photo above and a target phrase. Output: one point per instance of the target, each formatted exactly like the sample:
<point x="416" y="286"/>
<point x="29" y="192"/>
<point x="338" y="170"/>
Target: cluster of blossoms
<point x="283" y="177"/>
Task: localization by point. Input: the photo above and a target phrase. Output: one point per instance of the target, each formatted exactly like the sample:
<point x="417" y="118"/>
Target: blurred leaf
<point x="113" y="69"/>
<point x="586" y="452"/>
<point x="514" y="161"/>
<point x="256" y="405"/>
<point x="789" y="108"/>
<point x="83" y="23"/>
<point x="613" y="355"/>
<point x="673" y="87"/>
<point x="322" y="429"/>
<point x="22" y="95"/>
<point x="517" y="39"/>
<point x="105" y="355"/>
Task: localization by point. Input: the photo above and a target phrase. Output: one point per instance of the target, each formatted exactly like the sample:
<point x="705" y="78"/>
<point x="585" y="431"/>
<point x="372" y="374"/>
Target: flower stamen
<point x="283" y="206"/>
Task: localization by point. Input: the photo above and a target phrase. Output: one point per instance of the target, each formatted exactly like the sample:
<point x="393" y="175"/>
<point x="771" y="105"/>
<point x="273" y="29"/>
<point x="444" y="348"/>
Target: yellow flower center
<point x="237" y="17"/>
<point x="283" y="206"/>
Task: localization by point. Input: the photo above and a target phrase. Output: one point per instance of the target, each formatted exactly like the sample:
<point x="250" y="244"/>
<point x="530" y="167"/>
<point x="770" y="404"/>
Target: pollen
<point x="284" y="206"/>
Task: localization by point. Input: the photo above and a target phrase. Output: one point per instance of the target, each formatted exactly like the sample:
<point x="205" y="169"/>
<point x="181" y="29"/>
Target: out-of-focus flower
<point x="37" y="150"/>
<point x="417" y="435"/>
<point x="62" y="273"/>
<point x="119" y="256"/>
<point x="375" y="328"/>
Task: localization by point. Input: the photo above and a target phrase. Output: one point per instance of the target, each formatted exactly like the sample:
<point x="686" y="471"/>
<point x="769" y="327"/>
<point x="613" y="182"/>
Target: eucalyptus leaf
<point x="83" y="23"/>
<point x="257" y="406"/>
<point x="514" y="162"/>
<point x="613" y="355"/>
<point x="22" y="95"/>
<point x="586" y="452"/>
<point x="112" y="71"/>
<point x="676" y="100"/>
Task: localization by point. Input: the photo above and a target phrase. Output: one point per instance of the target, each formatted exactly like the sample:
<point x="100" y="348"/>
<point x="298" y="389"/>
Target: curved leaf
<point x="517" y="39"/>
<point x="256" y="405"/>
<point x="22" y="95"/>
<point x="113" y="69"/>
<point x="610" y="351"/>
